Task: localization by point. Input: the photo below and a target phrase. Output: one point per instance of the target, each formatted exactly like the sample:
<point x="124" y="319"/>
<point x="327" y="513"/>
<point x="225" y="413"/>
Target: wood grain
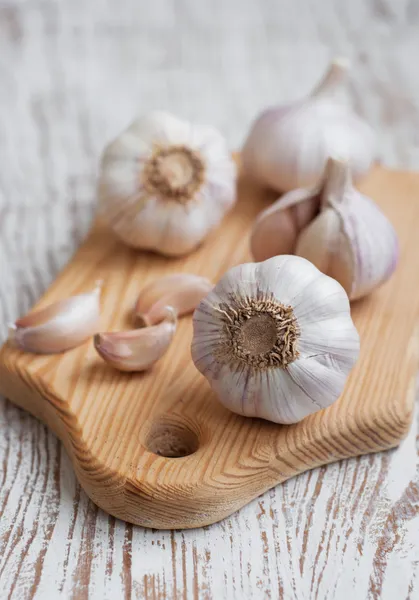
<point x="123" y="431"/>
<point x="72" y="75"/>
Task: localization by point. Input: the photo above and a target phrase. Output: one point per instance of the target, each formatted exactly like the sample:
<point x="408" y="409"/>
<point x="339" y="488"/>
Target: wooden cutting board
<point x="115" y="426"/>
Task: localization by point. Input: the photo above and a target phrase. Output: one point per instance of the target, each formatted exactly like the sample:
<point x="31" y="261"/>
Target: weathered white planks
<point x="71" y="75"/>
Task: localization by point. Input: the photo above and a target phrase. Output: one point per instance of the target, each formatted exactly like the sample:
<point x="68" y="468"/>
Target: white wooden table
<point x="72" y="74"/>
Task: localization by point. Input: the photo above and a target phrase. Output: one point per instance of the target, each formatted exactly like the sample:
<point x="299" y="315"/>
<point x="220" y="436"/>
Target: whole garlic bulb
<point x="341" y="231"/>
<point x="288" y="146"/>
<point x="165" y="183"/>
<point x="275" y="339"/>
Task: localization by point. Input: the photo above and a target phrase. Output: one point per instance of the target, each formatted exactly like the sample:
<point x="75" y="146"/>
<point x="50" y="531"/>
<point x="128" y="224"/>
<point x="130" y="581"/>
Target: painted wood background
<point x="72" y="74"/>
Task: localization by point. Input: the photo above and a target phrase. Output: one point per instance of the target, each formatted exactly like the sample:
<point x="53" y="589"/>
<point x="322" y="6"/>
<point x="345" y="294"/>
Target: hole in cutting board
<point x="171" y="439"/>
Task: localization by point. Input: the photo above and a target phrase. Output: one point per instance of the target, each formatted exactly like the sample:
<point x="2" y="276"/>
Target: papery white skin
<point x="351" y="239"/>
<point x="328" y="345"/>
<point x="138" y="349"/>
<point x="288" y="146"/>
<point x="153" y="222"/>
<point x="59" y="326"/>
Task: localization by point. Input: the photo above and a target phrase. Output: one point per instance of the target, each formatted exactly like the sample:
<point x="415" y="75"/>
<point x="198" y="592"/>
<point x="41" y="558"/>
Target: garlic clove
<point x="287" y="147"/>
<point x="157" y="288"/>
<point x="319" y="239"/>
<point x="337" y="349"/>
<point x="276" y="229"/>
<point x="292" y="289"/>
<point x="360" y="243"/>
<point x="275" y="339"/>
<point x="330" y="304"/>
<point x="183" y="301"/>
<point x="334" y="259"/>
<point x="139" y="349"/>
<point x="59" y="326"/>
<point x="182" y="291"/>
<point x="320" y="383"/>
<point x="170" y="232"/>
<point x="272" y="396"/>
<point x="165" y="183"/>
<point x="369" y="244"/>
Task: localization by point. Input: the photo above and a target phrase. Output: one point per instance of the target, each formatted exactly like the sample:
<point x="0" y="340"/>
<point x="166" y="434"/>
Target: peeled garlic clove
<point x="59" y="326"/>
<point x="358" y="240"/>
<point x="275" y="339"/>
<point x="287" y="147"/>
<point x="139" y="349"/>
<point x="165" y="183"/>
<point x="181" y="291"/>
<point x="276" y="229"/>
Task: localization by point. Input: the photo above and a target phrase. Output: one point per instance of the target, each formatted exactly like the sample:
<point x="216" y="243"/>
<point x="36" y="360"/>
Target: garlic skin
<point x="59" y="326"/>
<point x="349" y="238"/>
<point x="287" y="147"/>
<point x="275" y="339"/>
<point x="139" y="349"/>
<point x="181" y="291"/>
<point x="165" y="183"/>
<point x="276" y="229"/>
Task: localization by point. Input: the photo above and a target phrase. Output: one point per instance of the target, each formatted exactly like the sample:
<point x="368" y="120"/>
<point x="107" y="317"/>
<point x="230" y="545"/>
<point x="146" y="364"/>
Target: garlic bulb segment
<point x="165" y="183"/>
<point x="139" y="349"/>
<point x="59" y="326"/>
<point x="181" y="291"/>
<point x="351" y="239"/>
<point x="276" y="229"/>
<point x="287" y="147"/>
<point x="275" y="339"/>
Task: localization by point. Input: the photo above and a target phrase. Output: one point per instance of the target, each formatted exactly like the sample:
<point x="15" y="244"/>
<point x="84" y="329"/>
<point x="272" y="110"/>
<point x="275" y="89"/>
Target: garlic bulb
<point x="275" y="339"/>
<point x="59" y="326"/>
<point x="349" y="238"/>
<point x="288" y="146"/>
<point x="165" y="183"/>
<point x="181" y="291"/>
<point x="139" y="349"/>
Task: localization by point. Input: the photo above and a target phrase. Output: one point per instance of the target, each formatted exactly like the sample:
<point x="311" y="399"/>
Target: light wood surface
<point x="156" y="448"/>
<point x="72" y="74"/>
